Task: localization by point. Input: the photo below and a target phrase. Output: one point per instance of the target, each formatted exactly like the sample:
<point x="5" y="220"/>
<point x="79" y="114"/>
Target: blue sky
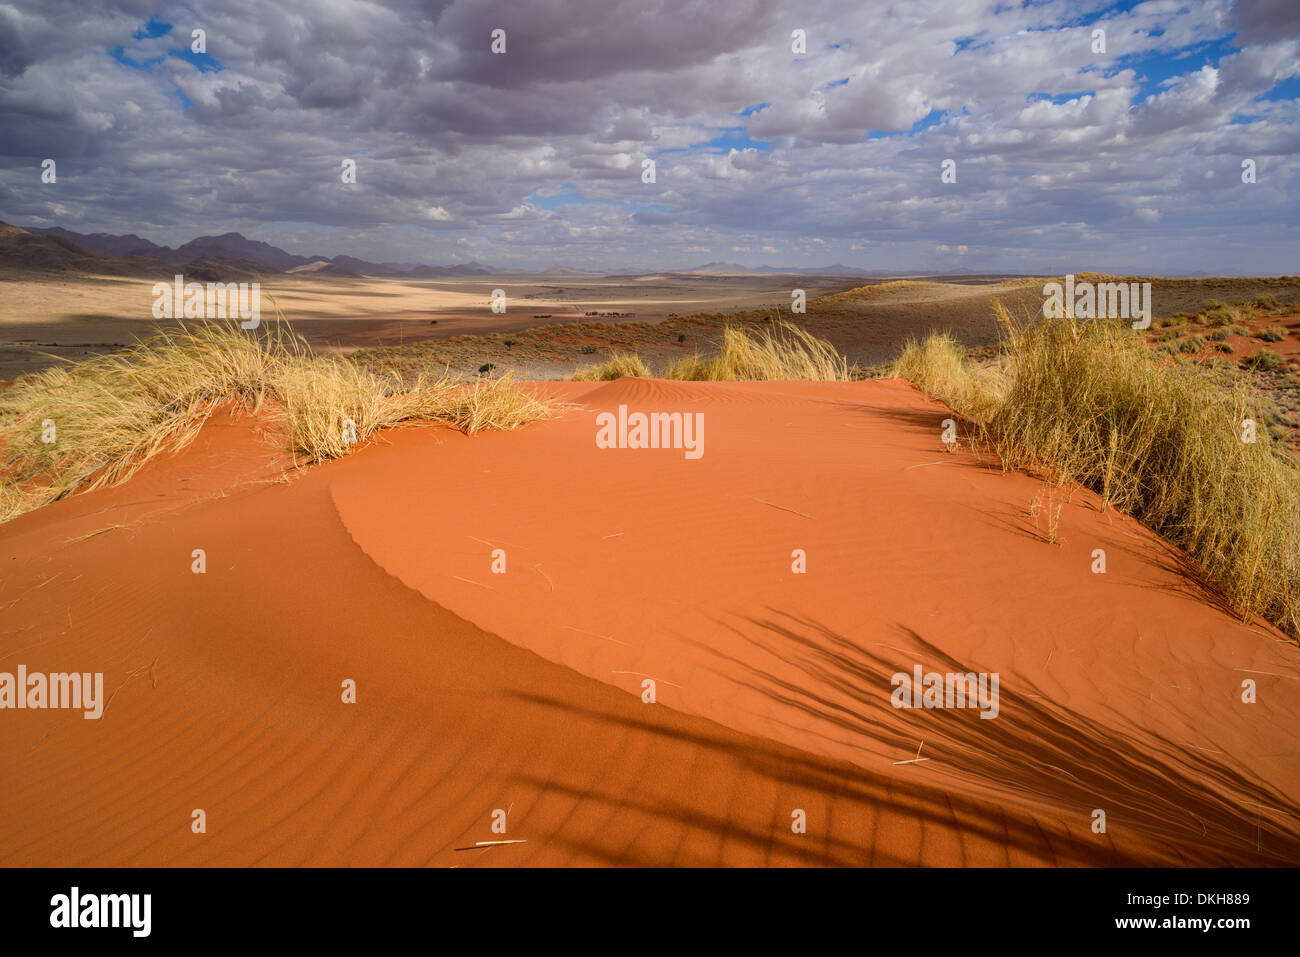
<point x="1122" y="158"/>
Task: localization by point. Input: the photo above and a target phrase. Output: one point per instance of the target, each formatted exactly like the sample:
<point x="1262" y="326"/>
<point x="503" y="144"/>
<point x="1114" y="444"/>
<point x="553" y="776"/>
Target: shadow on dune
<point x="877" y="821"/>
<point x="1028" y="781"/>
<point x="1199" y="810"/>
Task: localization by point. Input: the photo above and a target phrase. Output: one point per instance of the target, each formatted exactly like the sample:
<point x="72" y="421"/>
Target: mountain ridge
<point x="236" y="247"/>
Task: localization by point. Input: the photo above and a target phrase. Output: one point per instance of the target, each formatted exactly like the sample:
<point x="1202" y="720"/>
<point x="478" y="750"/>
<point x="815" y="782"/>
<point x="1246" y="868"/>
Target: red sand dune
<point x="521" y="691"/>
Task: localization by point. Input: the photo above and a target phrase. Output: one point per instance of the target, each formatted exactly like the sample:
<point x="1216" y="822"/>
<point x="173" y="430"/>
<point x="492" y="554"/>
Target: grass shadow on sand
<point x="876" y="821"/>
<point x="1203" y="811"/>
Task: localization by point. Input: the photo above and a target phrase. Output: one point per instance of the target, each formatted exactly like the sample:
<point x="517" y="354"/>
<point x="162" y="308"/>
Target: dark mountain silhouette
<point x="23" y="252"/>
<point x="108" y="244"/>
<point x="735" y="269"/>
<point x="235" y="247"/>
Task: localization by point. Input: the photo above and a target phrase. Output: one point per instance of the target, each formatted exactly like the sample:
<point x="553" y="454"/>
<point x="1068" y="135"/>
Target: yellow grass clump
<point x="938" y="366"/>
<point x="1087" y="402"/>
<point x="617" y="366"/>
<point x="786" y="354"/>
<point x="495" y="404"/>
<point x="789" y="353"/>
<point x="94" y="423"/>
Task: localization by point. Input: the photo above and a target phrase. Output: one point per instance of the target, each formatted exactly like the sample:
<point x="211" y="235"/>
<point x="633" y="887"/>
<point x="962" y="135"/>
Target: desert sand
<point x="44" y="318"/>
<point x="546" y="331"/>
<point x="522" y="691"/>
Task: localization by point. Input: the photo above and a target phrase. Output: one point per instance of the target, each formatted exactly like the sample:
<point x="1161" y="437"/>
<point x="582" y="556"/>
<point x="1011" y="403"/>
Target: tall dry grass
<point x="938" y="366"/>
<point x="786" y="353"/>
<point x="617" y="366"/>
<point x="1086" y="402"/>
<point x="111" y="414"/>
<point x="496" y="404"/>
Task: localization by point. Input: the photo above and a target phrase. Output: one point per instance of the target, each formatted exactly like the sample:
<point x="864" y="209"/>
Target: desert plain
<point x="518" y="648"/>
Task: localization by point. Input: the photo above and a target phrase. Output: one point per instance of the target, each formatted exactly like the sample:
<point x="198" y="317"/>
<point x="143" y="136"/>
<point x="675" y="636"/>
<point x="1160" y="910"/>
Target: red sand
<point x="479" y="691"/>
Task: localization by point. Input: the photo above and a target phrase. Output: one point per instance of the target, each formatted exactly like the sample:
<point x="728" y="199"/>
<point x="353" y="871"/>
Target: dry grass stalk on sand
<point x="617" y="366"/>
<point x="787" y="353"/>
<point x="112" y="413"/>
<point x="1088" y="403"/>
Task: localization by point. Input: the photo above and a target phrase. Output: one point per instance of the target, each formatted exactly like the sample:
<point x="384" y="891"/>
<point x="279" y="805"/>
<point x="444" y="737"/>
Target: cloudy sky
<point x="1066" y="159"/>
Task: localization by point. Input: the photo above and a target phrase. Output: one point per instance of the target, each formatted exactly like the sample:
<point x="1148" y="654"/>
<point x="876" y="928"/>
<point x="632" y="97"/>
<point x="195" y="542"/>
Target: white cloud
<point x="451" y="141"/>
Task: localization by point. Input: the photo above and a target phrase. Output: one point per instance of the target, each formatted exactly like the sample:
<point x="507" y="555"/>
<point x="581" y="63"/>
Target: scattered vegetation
<point x="786" y="352"/>
<point x="616" y="367"/>
<point x="782" y="352"/>
<point x="94" y="423"/>
<point x="1265" y="360"/>
<point x="1273" y="334"/>
<point x="938" y="366"/>
<point x="1087" y="402"/>
<point x="1218" y="313"/>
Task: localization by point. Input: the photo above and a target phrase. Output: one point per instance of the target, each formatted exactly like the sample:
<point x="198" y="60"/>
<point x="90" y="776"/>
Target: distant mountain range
<point x="22" y="252"/>
<point x="837" y="269"/>
<point x="235" y="247"/>
<point x="234" y="252"/>
<point x="735" y="269"/>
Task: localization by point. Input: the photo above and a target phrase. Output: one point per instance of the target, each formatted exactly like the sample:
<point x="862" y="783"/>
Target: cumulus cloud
<point x="1063" y="152"/>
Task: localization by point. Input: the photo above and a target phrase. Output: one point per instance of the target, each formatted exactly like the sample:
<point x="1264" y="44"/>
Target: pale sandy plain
<point x="72" y="317"/>
<point x="545" y="332"/>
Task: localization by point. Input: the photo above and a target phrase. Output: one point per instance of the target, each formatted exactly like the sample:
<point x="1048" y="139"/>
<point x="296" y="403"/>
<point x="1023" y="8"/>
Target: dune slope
<point x="522" y="692"/>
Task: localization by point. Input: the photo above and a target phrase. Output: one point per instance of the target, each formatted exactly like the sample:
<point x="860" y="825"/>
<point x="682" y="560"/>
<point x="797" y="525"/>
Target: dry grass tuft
<point x="788" y="353"/>
<point x="616" y="367"/>
<point x="498" y="404"/>
<point x="111" y="414"/>
<point x="1087" y="402"/>
<point x="938" y="366"/>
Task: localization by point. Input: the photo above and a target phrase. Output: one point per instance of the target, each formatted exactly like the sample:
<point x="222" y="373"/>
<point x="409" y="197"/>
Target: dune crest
<point x="522" y="692"/>
<point x="626" y="564"/>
